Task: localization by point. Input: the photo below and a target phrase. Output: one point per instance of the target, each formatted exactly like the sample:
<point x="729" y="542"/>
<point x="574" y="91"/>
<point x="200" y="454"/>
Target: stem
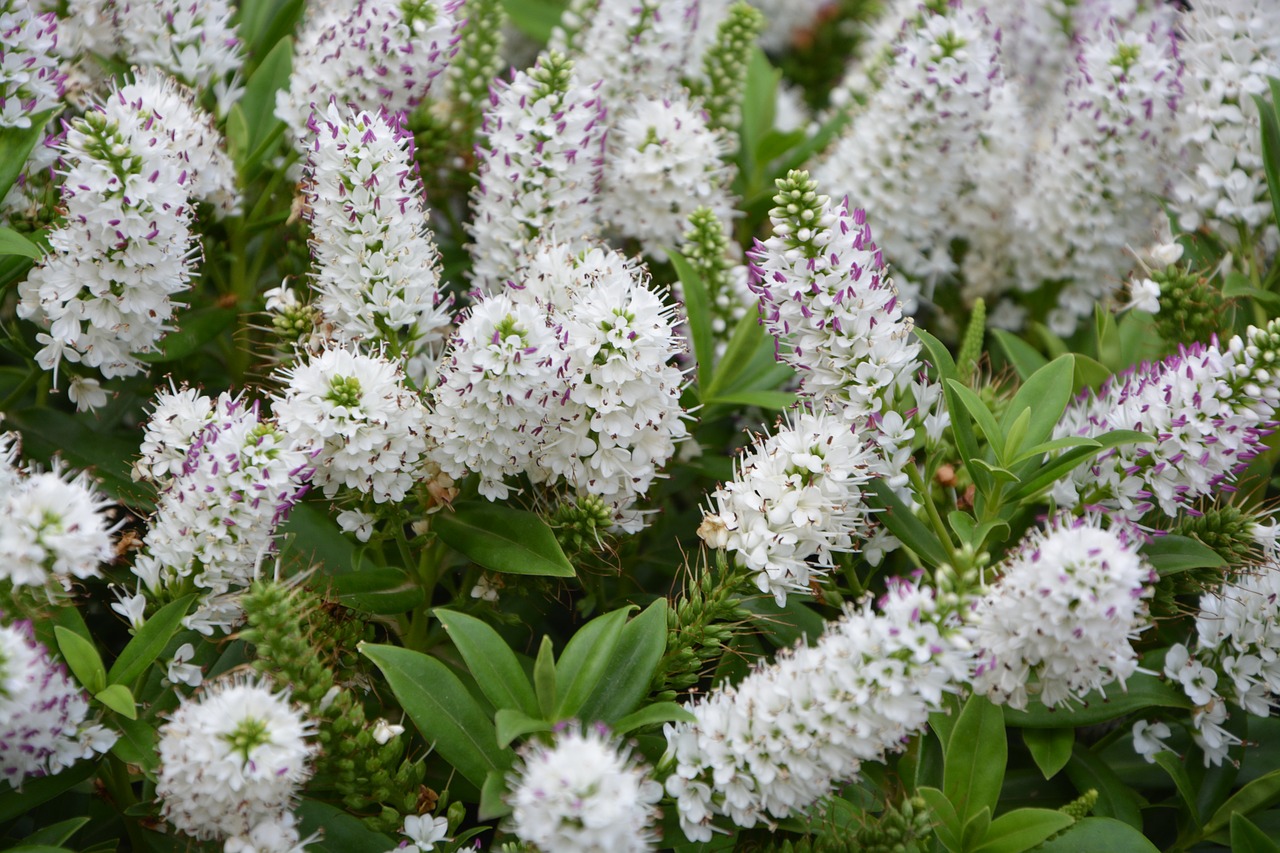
<point x="939" y="527"/>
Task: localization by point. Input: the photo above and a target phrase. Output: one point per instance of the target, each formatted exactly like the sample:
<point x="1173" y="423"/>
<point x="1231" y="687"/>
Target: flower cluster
<point x="921" y="129"/>
<point x="826" y="296"/>
<point x="194" y="41"/>
<point x="1207" y="409"/>
<point x="215" y="521"/>
<point x="777" y="742"/>
<point x="1059" y="621"/>
<point x="583" y="792"/>
<point x="231" y="763"/>
<point x="31" y="80"/>
<point x="372" y="54"/>
<point x="795" y="501"/>
<point x="538" y="176"/>
<point x="638" y="48"/>
<point x="1230" y="47"/>
<point x="42" y="711"/>
<point x="353" y="415"/>
<point x="377" y="277"/>
<point x="663" y="163"/>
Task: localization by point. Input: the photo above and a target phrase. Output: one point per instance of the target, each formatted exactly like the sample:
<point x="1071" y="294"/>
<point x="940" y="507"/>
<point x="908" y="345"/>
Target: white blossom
<point x="31" y="80"/>
<point x="53" y="527"/>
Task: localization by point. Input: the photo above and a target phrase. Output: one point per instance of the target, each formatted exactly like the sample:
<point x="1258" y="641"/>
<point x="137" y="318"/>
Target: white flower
<point x="357" y="522"/>
<point x="31" y="80"/>
<point x="131" y="607"/>
<point x="1144" y="295"/>
<point x="790" y="732"/>
<point x="1148" y="739"/>
<point x="424" y="831"/>
<point x="639" y="48"/>
<point x="232" y="758"/>
<point x="538" y="172"/>
<point x="1060" y="620"/>
<point x="275" y="834"/>
<point x="583" y="793"/>
<point x="86" y="393"/>
<point x="346" y="53"/>
<point x="662" y="162"/>
<point x="795" y="501"/>
<point x="181" y="672"/>
<point x="363" y="429"/>
<point x="383" y="731"/>
<point x="42" y="711"/>
<point x="377" y="278"/>
<point x="53" y="528"/>
<point x="176" y="420"/>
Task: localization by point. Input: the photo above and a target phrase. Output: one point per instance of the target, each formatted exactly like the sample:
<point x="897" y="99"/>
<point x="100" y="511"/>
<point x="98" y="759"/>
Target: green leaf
<point x="939" y="355"/>
<point x="948" y="828"/>
<point x="46" y="432"/>
<point x="1088" y="373"/>
<point x="544" y="679"/>
<point x="534" y="18"/>
<point x="1051" y="748"/>
<point x="258" y="104"/>
<point x="1143" y="691"/>
<point x="697" y="306"/>
<point x="264" y="23"/>
<point x="150" y="641"/>
<point x="995" y="472"/>
<point x="975" y="829"/>
<point x="16" y="145"/>
<point x="651" y="715"/>
<point x="119" y="698"/>
<point x="748" y="337"/>
<point x="1094" y="834"/>
<point x="492" y="794"/>
<point x="1110" y="347"/>
<point x="1026" y="359"/>
<point x="442" y="708"/>
<point x="786" y="625"/>
<point x="1178" y="773"/>
<point x="503" y="539"/>
<point x="903" y="524"/>
<point x="1258" y="794"/>
<point x="511" y="723"/>
<point x="1171" y="554"/>
<point x="313" y="537"/>
<point x="770" y="400"/>
<point x="1237" y="285"/>
<point x="382" y="590"/>
<point x="1022" y="829"/>
<point x="630" y="670"/>
<point x="198" y="328"/>
<point x="980" y="413"/>
<point x="39" y="848"/>
<point x="758" y="104"/>
<point x="1270" y="148"/>
<point x="1115" y="799"/>
<point x="13" y="243"/>
<point x="1065" y="443"/>
<point x="37" y="791"/>
<point x="976" y="753"/>
<point x="585" y="660"/>
<point x="137" y="744"/>
<point x="1045" y="394"/>
<point x="492" y="663"/>
<point x="1247" y="838"/>
<point x="82" y="659"/>
<point x="57" y="833"/>
<point x="342" y="833"/>
<point x="1054" y="469"/>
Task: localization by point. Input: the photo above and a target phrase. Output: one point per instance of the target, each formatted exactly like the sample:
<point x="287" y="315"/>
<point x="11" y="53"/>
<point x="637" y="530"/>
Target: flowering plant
<point x="529" y="425"/>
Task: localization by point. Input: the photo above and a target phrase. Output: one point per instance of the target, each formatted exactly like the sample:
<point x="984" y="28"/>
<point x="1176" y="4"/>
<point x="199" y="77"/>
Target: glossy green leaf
<point x="195" y="329"/>
<point x="939" y="356"/>
<point x="341" y="833"/>
<point x="697" y="307"/>
<point x="585" y="660"/>
<point x="1259" y="794"/>
<point x="652" y="715"/>
<point x="979" y="412"/>
<point x="1050" y="748"/>
<point x="48" y="432"/>
<point x="13" y="243"/>
<point x="150" y="641"/>
<point x="258" y="104"/>
<point x="39" y="848"/>
<point x="544" y="679"/>
<point x="82" y="659"/>
<point x="382" y="590"/>
<point x="137" y="744"/>
<point x="1177" y="771"/>
<point x="1172" y="554"/>
<point x="1054" y="469"/>
<point x="1045" y="394"/>
<point x="1143" y="691"/>
<point x="748" y="337"/>
<point x="786" y="625"/>
<point x="1022" y="829"/>
<point x="1107" y="336"/>
<point x="1270" y="149"/>
<point x="1115" y="799"/>
<point x="37" y="791"/>
<point x="442" y="708"/>
<point x="1247" y="838"/>
<point x="502" y="538"/>
<point x="1026" y="359"/>
<point x="948" y="826"/>
<point x="263" y="23"/>
<point x="975" y="757"/>
<point x="534" y="18"/>
<point x="769" y="400"/>
<point x="511" y="723"/>
<point x="491" y="661"/>
<point x="1097" y="834"/>
<point x="493" y="804"/>
<point x="629" y="672"/>
<point x="975" y="829"/>
<point x="57" y="833"/>
<point x="118" y="698"/>
<point x="902" y="523"/>
<point x="16" y="145"/>
<point x="1067" y="442"/>
<point x="1088" y="373"/>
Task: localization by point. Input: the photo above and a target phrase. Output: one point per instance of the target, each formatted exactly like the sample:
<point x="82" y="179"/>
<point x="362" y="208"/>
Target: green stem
<point x="939" y="527"/>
